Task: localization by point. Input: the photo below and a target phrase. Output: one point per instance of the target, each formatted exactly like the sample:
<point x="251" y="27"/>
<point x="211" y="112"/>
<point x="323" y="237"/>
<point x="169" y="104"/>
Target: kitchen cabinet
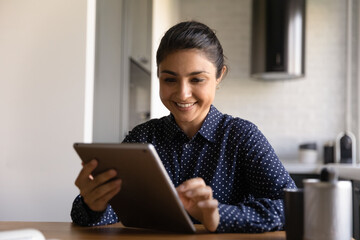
<point x="140" y="32"/>
<point x="136" y="63"/>
<point x="139" y="95"/>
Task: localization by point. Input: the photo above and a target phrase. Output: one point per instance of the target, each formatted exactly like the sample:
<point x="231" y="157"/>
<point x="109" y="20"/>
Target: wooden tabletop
<point x="67" y="230"/>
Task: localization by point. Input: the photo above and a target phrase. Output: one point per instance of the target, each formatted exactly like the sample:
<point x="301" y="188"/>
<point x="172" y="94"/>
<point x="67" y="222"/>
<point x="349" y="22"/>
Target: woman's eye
<point x="197" y="80"/>
<point x="170" y="80"/>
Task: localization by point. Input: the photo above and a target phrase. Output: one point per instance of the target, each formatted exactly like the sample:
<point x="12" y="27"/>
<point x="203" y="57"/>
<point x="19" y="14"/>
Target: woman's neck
<point x="189" y="129"/>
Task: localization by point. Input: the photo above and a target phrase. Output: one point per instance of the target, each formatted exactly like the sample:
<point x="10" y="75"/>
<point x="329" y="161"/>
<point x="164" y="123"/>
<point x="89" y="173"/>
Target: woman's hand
<point x="199" y="203"/>
<point x="97" y="191"/>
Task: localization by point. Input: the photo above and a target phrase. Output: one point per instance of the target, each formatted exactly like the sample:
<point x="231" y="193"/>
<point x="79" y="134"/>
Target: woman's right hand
<point x="97" y="191"/>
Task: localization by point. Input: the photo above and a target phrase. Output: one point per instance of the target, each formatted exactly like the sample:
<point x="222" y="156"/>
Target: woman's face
<point x="187" y="86"/>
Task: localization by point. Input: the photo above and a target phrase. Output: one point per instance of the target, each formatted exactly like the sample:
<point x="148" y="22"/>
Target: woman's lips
<point x="185" y="105"/>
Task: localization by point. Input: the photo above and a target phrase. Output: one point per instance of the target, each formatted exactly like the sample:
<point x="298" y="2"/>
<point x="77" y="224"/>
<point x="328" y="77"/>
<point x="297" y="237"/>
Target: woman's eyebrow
<point x="197" y="73"/>
<point x="190" y="74"/>
<point x="169" y="72"/>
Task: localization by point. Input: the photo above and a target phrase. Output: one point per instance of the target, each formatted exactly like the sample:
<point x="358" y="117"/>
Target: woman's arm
<point x="91" y="207"/>
<point x="261" y="178"/>
<point x="82" y="215"/>
<point x="258" y="215"/>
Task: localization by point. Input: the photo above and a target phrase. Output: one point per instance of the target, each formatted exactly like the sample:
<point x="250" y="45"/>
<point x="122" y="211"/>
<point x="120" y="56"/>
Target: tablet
<point x="147" y="198"/>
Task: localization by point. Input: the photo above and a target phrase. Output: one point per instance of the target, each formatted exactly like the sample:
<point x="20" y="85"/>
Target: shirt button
<point x="187" y="145"/>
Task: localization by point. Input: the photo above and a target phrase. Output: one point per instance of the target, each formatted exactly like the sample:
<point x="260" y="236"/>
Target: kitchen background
<point x="48" y="100"/>
<point x="289" y="112"/>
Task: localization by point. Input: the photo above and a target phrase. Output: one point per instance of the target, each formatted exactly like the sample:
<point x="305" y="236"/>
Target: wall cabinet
<point x="135" y="95"/>
<point x="139" y="94"/>
<point x="140" y="32"/>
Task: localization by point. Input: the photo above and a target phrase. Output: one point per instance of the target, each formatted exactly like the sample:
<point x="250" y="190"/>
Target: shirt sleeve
<point x="264" y="178"/>
<point x="82" y="215"/>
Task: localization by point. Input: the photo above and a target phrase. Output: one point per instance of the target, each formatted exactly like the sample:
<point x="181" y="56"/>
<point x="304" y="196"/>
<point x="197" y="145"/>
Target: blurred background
<point x="75" y="71"/>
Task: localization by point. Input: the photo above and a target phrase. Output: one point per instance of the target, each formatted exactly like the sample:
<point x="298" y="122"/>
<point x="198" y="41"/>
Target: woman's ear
<point x="223" y="71"/>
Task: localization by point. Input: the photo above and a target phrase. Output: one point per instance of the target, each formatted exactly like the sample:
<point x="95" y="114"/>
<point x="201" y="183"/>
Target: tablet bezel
<point x="142" y="174"/>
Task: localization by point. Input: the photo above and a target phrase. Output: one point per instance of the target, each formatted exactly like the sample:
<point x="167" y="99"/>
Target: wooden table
<point x="67" y="230"/>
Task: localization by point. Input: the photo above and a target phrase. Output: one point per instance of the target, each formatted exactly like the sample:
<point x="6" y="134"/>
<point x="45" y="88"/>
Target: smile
<point x="185" y="105"/>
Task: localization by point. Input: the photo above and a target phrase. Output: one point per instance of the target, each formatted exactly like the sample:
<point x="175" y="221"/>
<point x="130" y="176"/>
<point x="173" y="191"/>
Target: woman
<point x="225" y="171"/>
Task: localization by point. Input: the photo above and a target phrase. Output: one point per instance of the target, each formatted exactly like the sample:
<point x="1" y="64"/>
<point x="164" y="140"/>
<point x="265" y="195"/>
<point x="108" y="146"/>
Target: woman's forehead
<point x="190" y="60"/>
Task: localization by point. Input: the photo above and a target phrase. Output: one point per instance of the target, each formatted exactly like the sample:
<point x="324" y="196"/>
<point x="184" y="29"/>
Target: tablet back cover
<point x="147" y="198"/>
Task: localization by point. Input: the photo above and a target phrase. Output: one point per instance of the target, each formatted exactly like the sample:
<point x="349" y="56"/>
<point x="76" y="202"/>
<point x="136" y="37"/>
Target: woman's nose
<point x="184" y="91"/>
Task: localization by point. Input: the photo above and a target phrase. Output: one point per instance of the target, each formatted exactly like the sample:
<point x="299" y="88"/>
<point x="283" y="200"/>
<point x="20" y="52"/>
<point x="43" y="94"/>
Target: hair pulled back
<point x="190" y="35"/>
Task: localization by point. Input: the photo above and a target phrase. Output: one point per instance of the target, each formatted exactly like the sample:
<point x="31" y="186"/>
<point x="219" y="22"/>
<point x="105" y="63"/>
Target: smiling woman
<point x="190" y="64"/>
<point x="226" y="173"/>
<point x="187" y="87"/>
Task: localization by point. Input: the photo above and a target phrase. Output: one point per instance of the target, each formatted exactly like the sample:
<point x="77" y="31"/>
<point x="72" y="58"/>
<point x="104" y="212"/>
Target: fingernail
<point x="181" y="187"/>
<point x="189" y="194"/>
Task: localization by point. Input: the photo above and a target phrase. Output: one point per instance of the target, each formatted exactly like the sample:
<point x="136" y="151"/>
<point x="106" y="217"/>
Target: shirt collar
<point x="171" y="128"/>
<point x="208" y="129"/>
<point x="211" y="124"/>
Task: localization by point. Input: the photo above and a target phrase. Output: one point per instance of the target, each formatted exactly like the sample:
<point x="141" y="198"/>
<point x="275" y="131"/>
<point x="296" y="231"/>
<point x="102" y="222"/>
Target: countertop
<point x="67" y="230"/>
<point x="347" y="171"/>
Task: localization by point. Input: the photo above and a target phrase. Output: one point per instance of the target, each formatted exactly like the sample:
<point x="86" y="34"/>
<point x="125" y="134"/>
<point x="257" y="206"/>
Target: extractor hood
<point x="278" y="39"/>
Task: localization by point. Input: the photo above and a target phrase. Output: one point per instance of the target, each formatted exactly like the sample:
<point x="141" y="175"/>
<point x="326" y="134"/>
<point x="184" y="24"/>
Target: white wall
<point x="288" y="112"/>
<point x="42" y="82"/>
<point x="107" y="86"/>
<point x="165" y="14"/>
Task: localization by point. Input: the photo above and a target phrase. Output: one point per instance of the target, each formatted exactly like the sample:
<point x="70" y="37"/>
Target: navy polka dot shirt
<point x="231" y="155"/>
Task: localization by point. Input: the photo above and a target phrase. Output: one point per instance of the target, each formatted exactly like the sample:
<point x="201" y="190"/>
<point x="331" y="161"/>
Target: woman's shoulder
<point x="146" y="130"/>
<point x="238" y="124"/>
<point x="152" y="123"/>
<point x="230" y="122"/>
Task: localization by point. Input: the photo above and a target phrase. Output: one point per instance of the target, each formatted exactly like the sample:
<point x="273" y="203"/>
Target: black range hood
<point x="278" y="39"/>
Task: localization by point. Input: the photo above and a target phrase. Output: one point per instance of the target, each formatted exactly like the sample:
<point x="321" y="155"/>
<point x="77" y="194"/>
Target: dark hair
<point x="188" y="35"/>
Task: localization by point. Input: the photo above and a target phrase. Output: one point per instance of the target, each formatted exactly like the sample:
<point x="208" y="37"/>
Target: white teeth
<point x="184" y="105"/>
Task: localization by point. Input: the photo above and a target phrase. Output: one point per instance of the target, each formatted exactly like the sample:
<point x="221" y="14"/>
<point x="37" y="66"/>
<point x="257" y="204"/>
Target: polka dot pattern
<point x="232" y="156"/>
<point x="82" y="215"/>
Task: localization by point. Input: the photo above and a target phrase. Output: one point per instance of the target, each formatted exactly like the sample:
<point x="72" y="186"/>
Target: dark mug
<point x="294" y="213"/>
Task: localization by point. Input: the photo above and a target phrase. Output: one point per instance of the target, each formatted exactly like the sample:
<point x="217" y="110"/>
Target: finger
<point x="89" y="167"/>
<point x="200" y="193"/>
<point x="191" y="184"/>
<point x="85" y="172"/>
<point x="103" y="201"/>
<point x="104" y="177"/>
<point x="105" y="189"/>
<point x="98" y="181"/>
<point x="208" y="204"/>
<point x="98" y="199"/>
<point x="210" y="214"/>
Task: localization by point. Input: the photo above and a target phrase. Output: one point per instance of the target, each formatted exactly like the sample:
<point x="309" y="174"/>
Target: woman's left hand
<point x="198" y="201"/>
